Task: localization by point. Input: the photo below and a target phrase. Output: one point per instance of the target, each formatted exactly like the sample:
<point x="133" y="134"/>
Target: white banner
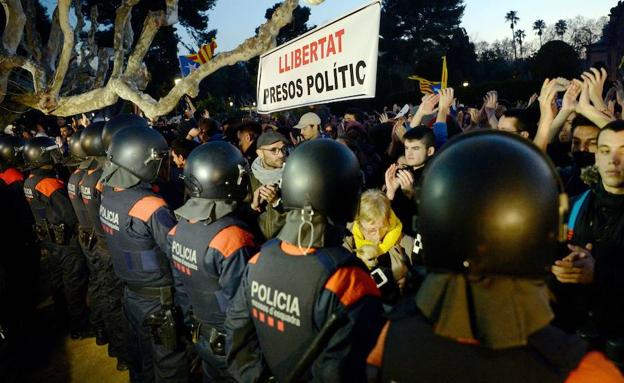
<point x="334" y="62"/>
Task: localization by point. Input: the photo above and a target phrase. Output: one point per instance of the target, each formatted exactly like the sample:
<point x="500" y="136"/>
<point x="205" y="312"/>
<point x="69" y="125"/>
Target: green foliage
<point x="411" y="28"/>
<point x="556" y="59"/>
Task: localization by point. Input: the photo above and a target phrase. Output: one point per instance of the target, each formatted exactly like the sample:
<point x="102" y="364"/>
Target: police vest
<point x="138" y="261"/>
<point x="73" y="190"/>
<point x="37" y="190"/>
<point x="91" y="197"/>
<point x="199" y="273"/>
<point x="412" y="352"/>
<point x="283" y="290"/>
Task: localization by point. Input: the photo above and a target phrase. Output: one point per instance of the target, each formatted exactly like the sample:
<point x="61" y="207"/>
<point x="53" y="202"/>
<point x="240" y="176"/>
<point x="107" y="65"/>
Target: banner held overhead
<point x="334" y="62"/>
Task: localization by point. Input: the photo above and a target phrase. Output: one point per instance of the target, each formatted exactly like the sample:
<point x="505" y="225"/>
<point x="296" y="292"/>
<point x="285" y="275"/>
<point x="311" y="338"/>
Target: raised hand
<point x="427" y="106"/>
<point x="490" y="101"/>
<point x="569" y="102"/>
<point x="446" y="98"/>
<point x="596" y="80"/>
<point x="383" y="118"/>
<point x="406" y="182"/>
<point x="392" y="183"/>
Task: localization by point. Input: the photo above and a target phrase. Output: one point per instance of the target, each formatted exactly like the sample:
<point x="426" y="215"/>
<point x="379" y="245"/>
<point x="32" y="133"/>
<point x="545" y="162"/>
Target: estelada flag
<point x="426" y="86"/>
<point x="205" y="53"/>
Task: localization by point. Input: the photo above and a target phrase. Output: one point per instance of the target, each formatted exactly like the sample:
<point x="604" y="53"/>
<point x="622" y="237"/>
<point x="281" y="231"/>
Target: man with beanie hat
<point x="266" y="178"/>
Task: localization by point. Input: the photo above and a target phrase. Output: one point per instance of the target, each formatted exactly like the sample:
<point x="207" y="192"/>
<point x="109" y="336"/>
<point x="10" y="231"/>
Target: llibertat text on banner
<point x="334" y="62"/>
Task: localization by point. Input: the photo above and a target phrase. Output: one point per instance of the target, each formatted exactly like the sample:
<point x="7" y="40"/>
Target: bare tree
<point x="53" y="86"/>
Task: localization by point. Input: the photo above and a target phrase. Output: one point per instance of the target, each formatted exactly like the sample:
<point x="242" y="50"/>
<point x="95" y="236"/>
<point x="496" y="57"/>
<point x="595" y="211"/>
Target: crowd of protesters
<point x="576" y="123"/>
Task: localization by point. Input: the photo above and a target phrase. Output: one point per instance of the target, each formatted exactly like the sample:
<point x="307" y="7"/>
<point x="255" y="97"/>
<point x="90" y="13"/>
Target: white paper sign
<point x="334" y="62"/>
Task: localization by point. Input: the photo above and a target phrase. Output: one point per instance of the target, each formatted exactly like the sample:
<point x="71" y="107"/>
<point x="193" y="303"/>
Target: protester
<point x="377" y="239"/>
<point x="590" y="275"/>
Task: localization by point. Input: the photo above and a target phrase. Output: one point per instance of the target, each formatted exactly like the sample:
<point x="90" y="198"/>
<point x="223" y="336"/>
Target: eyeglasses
<point x="276" y="151"/>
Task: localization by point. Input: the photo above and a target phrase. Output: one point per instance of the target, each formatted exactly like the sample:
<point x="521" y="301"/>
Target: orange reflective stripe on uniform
<point x="254" y="259"/>
<point x="144" y="209"/>
<point x="11" y="175"/>
<point x="350" y="284"/>
<point x="375" y="358"/>
<point x="47" y="186"/>
<point x="99" y="186"/>
<point x="291" y="249"/>
<point x="595" y="367"/>
<point x="231" y="239"/>
<point x="173" y="230"/>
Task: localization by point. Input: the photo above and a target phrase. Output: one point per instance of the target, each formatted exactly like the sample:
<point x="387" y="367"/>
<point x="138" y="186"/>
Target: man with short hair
<point x="247" y="134"/>
<point x="309" y="125"/>
<point x="401" y="178"/>
<point x="591" y="286"/>
<point x="583" y="150"/>
<point x="266" y="177"/>
<point x="519" y="122"/>
<point x="180" y="150"/>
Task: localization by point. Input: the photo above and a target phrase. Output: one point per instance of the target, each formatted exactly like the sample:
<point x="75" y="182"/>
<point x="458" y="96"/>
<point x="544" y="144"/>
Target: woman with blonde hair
<point x="377" y="239"/>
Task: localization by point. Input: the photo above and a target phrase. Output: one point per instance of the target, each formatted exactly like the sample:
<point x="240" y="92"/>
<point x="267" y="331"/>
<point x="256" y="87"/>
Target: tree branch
<point x="129" y="87"/>
<point x="54" y="43"/>
<point x="152" y="24"/>
<point x="93" y="49"/>
<point x="68" y="47"/>
<point x="104" y="56"/>
<point x="13" y="30"/>
<point x="80" y="23"/>
<point x="122" y="22"/>
<point x="14" y="26"/>
<point x="190" y="85"/>
<point x="32" y="42"/>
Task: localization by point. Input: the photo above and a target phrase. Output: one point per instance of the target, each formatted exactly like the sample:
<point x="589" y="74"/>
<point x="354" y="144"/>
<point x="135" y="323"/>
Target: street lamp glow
<point x="231" y="104"/>
<point x="254" y="103"/>
<point x="465" y="84"/>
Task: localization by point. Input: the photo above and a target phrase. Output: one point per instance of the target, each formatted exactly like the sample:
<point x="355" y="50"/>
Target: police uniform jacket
<point x="282" y="304"/>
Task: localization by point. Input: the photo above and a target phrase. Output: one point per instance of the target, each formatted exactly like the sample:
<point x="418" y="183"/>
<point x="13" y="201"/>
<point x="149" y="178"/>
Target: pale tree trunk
<point x="126" y="82"/>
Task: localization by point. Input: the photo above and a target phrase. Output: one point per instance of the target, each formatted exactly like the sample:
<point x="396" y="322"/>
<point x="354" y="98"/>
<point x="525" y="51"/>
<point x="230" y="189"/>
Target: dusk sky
<point x="483" y="19"/>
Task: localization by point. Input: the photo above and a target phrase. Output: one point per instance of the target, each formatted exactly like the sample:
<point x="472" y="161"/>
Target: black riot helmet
<point x="75" y="147"/>
<point x="491" y="204"/>
<point x="325" y="176"/>
<point x="10" y="151"/>
<point x="91" y="139"/>
<point x="216" y="170"/>
<point x="118" y="123"/>
<point x="41" y="151"/>
<point x="139" y="150"/>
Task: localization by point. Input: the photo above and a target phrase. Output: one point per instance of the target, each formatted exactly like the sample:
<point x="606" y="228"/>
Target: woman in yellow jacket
<point x="377" y="239"/>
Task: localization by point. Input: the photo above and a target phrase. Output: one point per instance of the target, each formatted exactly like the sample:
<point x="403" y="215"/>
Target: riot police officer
<point x="136" y="222"/>
<point x="78" y="158"/>
<point x="110" y="290"/>
<point x="55" y="227"/>
<point x="210" y="246"/>
<point x="490" y="230"/>
<point x="303" y="289"/>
